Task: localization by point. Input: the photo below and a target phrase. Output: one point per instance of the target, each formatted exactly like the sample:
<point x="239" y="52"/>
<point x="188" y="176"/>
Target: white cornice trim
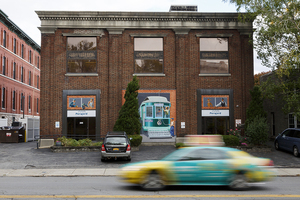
<point x="20" y="82"/>
<point x="20" y="57"/>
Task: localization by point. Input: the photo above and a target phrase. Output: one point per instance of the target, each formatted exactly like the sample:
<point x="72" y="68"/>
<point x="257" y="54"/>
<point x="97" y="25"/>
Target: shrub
<point x="243" y="140"/>
<point x="257" y="131"/>
<point x="231" y="140"/>
<point x="179" y="144"/>
<point x="135" y="140"/>
<point x="69" y="142"/>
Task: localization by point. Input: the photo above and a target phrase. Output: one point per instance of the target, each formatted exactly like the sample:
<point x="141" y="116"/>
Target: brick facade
<point x="13" y="39"/>
<point x="115" y="65"/>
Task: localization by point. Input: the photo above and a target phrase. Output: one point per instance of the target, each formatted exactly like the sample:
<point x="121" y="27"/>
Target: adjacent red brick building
<point x="19" y="73"/>
<point x="196" y="60"/>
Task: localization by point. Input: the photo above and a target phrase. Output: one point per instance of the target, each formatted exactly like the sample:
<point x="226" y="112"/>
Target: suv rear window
<point x="116" y="140"/>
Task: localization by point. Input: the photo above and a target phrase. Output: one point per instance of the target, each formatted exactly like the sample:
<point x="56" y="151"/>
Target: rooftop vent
<point x="183" y="8"/>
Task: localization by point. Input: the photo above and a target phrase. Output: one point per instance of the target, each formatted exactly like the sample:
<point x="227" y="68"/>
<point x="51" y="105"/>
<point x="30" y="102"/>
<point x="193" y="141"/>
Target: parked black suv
<point x="116" y="144"/>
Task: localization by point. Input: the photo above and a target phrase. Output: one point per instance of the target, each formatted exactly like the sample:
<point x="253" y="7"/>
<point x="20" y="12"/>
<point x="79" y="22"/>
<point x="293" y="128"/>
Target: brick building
<point x="201" y="62"/>
<point x="19" y="73"/>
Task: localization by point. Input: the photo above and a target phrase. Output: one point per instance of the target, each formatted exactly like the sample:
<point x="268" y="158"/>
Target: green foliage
<point x="258" y="131"/>
<point x="135" y="140"/>
<point x="243" y="140"/>
<point x="231" y="140"/>
<point x="69" y="142"/>
<point x="179" y="144"/>
<point x="129" y="117"/>
<point x="277" y="42"/>
<point x="255" y="107"/>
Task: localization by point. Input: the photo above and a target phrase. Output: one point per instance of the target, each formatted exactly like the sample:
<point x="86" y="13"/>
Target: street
<point x="80" y="188"/>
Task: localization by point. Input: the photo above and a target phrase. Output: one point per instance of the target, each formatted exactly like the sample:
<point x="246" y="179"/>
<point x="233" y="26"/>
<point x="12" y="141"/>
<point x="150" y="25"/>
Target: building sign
<point x="82" y="55"/>
<point x="215" y="113"/>
<point x="213" y="55"/>
<point x="81" y="102"/>
<point x="148" y="55"/>
<point x="81" y="113"/>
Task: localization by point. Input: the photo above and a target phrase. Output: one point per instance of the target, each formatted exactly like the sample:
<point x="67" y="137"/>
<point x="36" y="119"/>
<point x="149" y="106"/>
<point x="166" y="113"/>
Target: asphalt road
<point x="27" y="156"/>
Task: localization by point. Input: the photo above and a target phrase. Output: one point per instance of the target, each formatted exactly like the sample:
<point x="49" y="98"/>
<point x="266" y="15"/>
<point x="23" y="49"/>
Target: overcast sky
<point x="22" y="12"/>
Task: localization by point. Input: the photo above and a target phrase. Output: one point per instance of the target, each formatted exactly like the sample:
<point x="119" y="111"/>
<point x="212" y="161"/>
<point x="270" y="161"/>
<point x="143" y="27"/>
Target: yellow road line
<point x="148" y="196"/>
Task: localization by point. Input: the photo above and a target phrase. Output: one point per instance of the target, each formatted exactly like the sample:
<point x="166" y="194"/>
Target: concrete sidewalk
<point x="282" y="172"/>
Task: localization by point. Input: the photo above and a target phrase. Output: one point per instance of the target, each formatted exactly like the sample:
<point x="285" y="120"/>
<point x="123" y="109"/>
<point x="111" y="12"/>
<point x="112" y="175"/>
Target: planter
<point x="60" y="149"/>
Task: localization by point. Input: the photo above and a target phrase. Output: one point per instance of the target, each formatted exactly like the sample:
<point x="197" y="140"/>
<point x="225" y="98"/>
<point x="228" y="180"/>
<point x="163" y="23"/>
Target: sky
<point x="22" y="12"/>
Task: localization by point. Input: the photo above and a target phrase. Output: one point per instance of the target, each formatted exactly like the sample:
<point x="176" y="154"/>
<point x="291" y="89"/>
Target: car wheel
<point x="295" y="151"/>
<point x="153" y="181"/>
<point x="239" y="182"/>
<point x="276" y="145"/>
<point x="129" y="158"/>
<point x="103" y="159"/>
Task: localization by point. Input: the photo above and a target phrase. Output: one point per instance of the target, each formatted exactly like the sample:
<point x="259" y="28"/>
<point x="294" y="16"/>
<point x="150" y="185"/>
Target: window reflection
<point x="81" y="54"/>
<point x="148" y="55"/>
<point x="214" y="56"/>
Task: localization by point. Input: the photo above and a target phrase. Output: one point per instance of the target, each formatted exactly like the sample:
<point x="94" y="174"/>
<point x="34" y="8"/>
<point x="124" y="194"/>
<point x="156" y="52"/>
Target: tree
<point x="277" y="42"/>
<point x="257" y="77"/>
<point x="255" y="107"/>
<point x="129" y="117"/>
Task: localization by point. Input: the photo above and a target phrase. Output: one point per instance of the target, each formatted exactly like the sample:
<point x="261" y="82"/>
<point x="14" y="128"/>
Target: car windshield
<point x="116" y="140"/>
<point x="177" y="155"/>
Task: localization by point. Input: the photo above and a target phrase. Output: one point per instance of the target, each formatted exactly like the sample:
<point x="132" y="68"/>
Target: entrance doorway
<point x="215" y="125"/>
<point x="81" y="128"/>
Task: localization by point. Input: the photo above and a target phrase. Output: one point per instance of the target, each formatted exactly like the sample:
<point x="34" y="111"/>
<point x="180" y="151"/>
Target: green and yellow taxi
<point x="203" y="165"/>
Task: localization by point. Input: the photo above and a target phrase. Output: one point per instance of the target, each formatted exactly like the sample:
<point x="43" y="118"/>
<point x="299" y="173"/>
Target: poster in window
<point x="215" y="102"/>
<point x="81" y="102"/>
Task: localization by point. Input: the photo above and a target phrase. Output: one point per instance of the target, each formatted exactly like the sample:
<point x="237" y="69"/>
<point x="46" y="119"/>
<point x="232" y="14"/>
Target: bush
<point x="243" y="140"/>
<point x="69" y="142"/>
<point x="257" y="131"/>
<point x="135" y="140"/>
<point x="179" y="144"/>
<point x="231" y="140"/>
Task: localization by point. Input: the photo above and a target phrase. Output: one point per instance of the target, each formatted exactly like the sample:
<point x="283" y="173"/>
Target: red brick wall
<point x="115" y="68"/>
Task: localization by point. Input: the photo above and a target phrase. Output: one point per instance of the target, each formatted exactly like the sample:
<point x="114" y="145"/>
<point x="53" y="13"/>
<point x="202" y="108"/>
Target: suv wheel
<point x="103" y="159"/>
<point x="295" y="151"/>
<point x="129" y="158"/>
<point x="276" y="145"/>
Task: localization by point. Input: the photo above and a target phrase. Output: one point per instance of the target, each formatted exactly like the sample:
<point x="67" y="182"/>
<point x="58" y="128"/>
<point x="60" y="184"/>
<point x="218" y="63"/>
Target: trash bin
<point x="12" y="134"/>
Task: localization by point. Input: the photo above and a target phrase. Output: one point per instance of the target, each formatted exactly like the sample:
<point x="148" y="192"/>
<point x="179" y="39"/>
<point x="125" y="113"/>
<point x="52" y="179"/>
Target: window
<point x="30" y="56"/>
<point x="158" y="112"/>
<point x="81" y="54"/>
<point x="149" y="112"/>
<point x="214" y="56"/>
<point x="22" y="101"/>
<point x="4" y="39"/>
<point x="3" y="65"/>
<point x="22" y="51"/>
<point x="3" y="98"/>
<point x="14" y="100"/>
<point x="22" y="74"/>
<point x="37" y="81"/>
<point x="293" y="121"/>
<point x="37" y="105"/>
<point x="15" y="45"/>
<point x="29" y="103"/>
<point x="14" y="71"/>
<point x="38" y="62"/>
<point x="29" y="78"/>
<point x="148" y="55"/>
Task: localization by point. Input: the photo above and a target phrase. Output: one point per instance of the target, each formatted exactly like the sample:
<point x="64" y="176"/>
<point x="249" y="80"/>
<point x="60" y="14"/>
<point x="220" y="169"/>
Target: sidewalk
<point x="282" y="172"/>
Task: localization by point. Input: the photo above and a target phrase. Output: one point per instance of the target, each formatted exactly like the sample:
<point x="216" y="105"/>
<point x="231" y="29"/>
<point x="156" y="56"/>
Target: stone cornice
<point x="117" y="22"/>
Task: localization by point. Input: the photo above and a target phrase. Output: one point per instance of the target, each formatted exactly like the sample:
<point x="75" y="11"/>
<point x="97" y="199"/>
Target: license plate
<point x="115" y="149"/>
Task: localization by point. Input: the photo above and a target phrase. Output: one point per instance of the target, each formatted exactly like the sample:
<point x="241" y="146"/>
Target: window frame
<point x="156" y="35"/>
<point x="4" y="39"/>
<point x="4" y="65"/>
<point x="68" y="52"/>
<point x="3" y="96"/>
<point x="14" y="100"/>
<point x="151" y="108"/>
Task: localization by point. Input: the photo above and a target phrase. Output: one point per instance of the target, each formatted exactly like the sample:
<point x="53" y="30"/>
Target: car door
<point x="202" y="166"/>
<point x="287" y="140"/>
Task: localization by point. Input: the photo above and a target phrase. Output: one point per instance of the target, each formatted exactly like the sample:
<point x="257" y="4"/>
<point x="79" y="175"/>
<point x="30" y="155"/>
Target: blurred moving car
<point x="116" y="145"/>
<point x="199" y="166"/>
<point x="289" y="140"/>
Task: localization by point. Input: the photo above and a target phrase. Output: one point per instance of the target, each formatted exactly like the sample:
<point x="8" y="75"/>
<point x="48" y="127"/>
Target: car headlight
<point x="132" y="168"/>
